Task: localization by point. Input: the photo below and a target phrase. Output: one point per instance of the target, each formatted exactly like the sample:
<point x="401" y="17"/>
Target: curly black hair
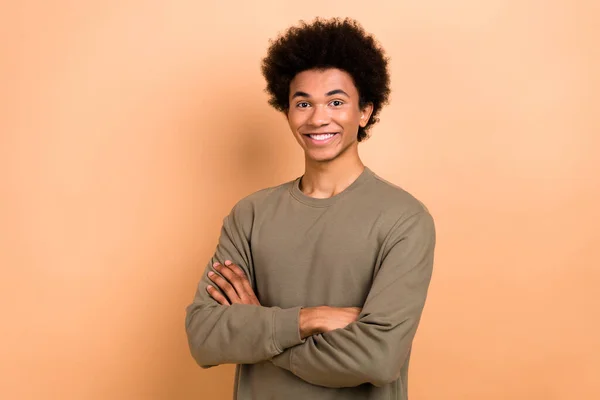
<point x="333" y="43"/>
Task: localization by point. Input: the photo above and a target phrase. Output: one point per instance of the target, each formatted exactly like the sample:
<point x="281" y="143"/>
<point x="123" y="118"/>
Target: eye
<point x="336" y="103"/>
<point x="302" y="104"/>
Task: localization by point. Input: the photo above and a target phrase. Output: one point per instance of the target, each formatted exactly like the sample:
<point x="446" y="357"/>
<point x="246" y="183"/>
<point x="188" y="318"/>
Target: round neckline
<point x="317" y="202"/>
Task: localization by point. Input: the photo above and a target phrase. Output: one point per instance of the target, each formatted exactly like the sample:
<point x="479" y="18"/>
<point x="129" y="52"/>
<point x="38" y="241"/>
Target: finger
<point x="219" y="298"/>
<point x="245" y="282"/>
<point x="238" y="279"/>
<point x="225" y="286"/>
<point x="236" y="270"/>
<point x="238" y="284"/>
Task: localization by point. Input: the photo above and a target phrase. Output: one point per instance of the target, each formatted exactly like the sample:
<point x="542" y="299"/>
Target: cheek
<point x="348" y="117"/>
<point x="293" y="126"/>
<point x="294" y="121"/>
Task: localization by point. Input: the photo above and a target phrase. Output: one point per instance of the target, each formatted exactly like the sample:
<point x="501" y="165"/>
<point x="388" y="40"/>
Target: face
<point x="324" y="114"/>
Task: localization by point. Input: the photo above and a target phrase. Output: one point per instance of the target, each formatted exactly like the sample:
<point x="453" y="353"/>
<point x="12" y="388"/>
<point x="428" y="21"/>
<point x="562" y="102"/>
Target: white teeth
<point x="322" y="137"/>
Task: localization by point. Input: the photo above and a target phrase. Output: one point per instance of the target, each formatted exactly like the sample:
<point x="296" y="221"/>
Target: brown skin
<point x="237" y="290"/>
<point x="327" y="101"/>
<point x="321" y="102"/>
<point x="314" y="320"/>
<point x="234" y="284"/>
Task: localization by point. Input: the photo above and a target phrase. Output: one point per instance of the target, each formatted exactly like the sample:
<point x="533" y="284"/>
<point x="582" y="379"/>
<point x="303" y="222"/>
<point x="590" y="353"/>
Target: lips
<point x="320" y="138"/>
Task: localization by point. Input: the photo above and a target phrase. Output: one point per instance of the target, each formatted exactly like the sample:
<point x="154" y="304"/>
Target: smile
<point x="320" y="138"/>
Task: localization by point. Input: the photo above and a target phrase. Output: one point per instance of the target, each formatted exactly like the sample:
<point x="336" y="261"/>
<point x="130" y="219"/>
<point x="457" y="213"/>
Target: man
<point x="317" y="285"/>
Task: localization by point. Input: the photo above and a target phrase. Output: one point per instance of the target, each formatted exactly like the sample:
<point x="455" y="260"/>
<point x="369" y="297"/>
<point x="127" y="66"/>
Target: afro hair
<point x="333" y="43"/>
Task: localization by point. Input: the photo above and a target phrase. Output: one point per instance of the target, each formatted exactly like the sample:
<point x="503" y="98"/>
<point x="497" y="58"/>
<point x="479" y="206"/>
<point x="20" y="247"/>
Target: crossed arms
<point x="326" y="346"/>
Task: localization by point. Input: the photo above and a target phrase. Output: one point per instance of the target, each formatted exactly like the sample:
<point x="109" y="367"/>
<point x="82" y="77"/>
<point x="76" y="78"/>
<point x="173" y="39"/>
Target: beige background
<point x="129" y="129"/>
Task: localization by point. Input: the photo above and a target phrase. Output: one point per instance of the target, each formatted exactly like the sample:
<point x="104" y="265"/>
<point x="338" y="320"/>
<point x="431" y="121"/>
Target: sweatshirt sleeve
<point x="239" y="333"/>
<point x="375" y="347"/>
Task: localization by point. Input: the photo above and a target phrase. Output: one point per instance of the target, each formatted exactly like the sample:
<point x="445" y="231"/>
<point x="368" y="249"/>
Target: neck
<point x="326" y="179"/>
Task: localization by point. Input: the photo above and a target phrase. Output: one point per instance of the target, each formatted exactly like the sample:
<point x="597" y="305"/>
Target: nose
<point x="320" y="116"/>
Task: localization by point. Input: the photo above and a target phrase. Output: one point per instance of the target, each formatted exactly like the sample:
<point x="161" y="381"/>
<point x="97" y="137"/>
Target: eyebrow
<point x="330" y="93"/>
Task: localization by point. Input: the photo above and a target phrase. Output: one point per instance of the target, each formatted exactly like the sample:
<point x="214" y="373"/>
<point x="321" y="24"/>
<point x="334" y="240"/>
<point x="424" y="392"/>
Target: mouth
<point x="320" y="138"/>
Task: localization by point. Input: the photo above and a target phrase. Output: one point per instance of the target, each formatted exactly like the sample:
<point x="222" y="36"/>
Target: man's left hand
<point x="233" y="283"/>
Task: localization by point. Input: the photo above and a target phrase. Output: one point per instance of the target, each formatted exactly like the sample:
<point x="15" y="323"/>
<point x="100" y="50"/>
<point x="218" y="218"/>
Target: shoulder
<point x="396" y="200"/>
<point x="407" y="216"/>
<point x="250" y="204"/>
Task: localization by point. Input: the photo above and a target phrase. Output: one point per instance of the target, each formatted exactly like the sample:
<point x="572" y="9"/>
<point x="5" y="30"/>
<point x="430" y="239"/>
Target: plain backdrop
<point x="128" y="130"/>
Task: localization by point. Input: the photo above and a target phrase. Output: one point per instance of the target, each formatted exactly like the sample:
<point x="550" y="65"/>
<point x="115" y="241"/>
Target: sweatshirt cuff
<point x="287" y="328"/>
<point x="283" y="360"/>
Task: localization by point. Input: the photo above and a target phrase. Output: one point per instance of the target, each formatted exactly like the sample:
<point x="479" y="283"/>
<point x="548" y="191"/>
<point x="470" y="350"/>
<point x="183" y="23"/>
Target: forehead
<point x="320" y="81"/>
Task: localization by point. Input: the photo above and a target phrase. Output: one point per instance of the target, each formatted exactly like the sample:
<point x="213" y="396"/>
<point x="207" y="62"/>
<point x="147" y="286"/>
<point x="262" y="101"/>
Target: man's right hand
<point x="314" y="320"/>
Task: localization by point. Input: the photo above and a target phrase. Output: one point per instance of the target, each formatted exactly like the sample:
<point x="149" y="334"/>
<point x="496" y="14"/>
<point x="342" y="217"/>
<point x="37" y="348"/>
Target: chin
<point x="322" y="157"/>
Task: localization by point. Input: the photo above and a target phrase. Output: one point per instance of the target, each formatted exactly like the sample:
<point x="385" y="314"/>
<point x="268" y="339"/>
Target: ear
<point x="365" y="114"/>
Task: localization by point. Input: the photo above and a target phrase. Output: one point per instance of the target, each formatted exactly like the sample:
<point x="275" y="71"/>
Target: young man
<point x="317" y="285"/>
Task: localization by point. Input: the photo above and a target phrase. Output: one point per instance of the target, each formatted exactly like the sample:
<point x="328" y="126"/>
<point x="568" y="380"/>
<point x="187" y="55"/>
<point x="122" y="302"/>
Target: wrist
<point x="309" y="322"/>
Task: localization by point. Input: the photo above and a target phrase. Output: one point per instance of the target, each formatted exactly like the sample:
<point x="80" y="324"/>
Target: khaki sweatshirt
<point x="370" y="246"/>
